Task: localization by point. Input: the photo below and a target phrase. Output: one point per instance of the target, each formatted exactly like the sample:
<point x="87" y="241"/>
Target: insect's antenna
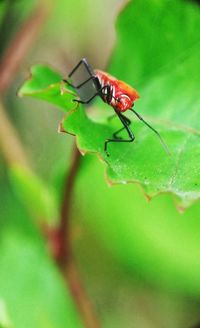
<point x="159" y="136"/>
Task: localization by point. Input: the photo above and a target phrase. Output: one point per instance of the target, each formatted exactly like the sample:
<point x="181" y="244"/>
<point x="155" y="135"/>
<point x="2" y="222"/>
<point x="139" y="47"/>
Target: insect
<point x="115" y="93"/>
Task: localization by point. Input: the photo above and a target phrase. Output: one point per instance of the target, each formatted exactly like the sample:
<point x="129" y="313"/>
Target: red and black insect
<point x="115" y="93"/>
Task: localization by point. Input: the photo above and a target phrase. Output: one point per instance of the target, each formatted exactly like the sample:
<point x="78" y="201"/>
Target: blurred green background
<point x="139" y="260"/>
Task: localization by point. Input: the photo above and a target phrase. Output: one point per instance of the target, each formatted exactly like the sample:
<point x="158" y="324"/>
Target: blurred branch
<point x="10" y="63"/>
<point x="61" y="246"/>
<point x="82" y="301"/>
<point x="20" y="45"/>
<point x="64" y="229"/>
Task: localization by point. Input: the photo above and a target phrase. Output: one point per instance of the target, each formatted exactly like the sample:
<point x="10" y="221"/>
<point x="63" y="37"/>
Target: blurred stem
<point x="83" y="303"/>
<point x="14" y="55"/>
<point x="64" y="228"/>
<point x="20" y="45"/>
<point x="64" y="256"/>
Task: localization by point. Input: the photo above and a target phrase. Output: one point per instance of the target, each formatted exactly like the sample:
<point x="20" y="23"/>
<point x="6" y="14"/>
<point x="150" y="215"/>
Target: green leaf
<point x="46" y="84"/>
<point x="157" y="52"/>
<point x="161" y="59"/>
<point x="38" y="198"/>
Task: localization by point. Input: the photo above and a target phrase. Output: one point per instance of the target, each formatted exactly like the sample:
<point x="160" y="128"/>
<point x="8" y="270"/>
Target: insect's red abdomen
<point x="123" y="95"/>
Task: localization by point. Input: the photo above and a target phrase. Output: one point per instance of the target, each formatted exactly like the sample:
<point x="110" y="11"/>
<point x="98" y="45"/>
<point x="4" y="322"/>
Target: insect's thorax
<point x="116" y="93"/>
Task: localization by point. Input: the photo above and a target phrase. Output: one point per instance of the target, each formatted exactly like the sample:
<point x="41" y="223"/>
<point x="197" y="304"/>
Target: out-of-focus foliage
<point x="30" y="285"/>
<point x="39" y="198"/>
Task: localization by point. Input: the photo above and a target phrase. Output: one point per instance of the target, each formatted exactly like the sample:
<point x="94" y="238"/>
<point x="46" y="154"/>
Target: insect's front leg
<point x="125" y="122"/>
<point x="115" y="135"/>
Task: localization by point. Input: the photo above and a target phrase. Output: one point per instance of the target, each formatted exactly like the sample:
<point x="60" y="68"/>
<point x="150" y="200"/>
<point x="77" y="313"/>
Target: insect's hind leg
<point x="85" y="63"/>
<point x="125" y="123"/>
<point x="92" y="76"/>
<point x="128" y="121"/>
<point x="98" y="93"/>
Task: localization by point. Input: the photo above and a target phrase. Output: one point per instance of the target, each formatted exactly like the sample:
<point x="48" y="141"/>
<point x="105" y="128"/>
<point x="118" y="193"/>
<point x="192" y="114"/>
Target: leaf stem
<point x="64" y="228"/>
<point x="78" y="292"/>
<point x="64" y="256"/>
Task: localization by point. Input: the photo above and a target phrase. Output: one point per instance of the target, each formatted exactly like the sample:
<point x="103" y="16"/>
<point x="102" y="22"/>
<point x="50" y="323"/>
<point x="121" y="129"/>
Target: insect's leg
<point x="115" y="135"/>
<point x="98" y="87"/>
<point x="86" y="101"/>
<point x="114" y="115"/>
<point x="98" y="93"/>
<point x="158" y="134"/>
<point x="84" y="62"/>
<point x="126" y="119"/>
<point x="72" y="72"/>
<point x="126" y="126"/>
<point x="93" y="77"/>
